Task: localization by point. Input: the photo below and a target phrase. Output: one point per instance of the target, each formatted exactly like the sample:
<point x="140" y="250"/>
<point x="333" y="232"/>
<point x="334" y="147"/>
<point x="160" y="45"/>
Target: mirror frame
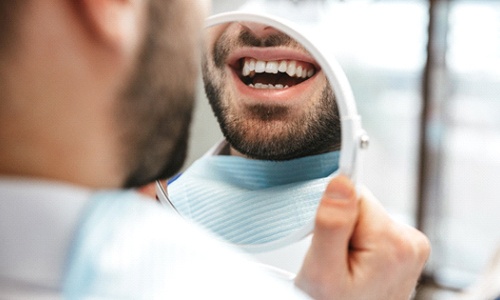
<point x="353" y="138"/>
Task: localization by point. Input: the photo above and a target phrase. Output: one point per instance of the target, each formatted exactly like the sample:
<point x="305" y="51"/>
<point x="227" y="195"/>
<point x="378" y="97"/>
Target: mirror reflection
<point x="282" y="137"/>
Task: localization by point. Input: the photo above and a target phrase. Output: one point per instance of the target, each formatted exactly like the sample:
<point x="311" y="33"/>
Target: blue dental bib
<point x="248" y="201"/>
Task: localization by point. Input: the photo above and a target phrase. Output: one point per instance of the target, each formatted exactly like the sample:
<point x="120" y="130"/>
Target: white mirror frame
<point x="354" y="137"/>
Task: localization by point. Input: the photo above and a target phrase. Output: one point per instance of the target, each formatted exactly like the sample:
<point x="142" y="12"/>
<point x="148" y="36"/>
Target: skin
<point x="73" y="110"/>
<point x="111" y="108"/>
<point x="357" y="247"/>
<point x="299" y="121"/>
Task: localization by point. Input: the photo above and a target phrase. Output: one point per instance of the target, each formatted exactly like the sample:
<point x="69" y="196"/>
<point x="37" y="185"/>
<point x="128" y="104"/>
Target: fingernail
<point x="339" y="189"/>
<point x="337" y="195"/>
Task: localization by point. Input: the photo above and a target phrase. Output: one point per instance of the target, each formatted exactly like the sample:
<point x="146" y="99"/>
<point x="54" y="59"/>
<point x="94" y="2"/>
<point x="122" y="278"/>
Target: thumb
<point x="335" y="220"/>
<point x="327" y="258"/>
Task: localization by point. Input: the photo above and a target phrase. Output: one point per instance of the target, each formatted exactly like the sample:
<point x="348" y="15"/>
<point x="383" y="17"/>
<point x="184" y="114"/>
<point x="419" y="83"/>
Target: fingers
<point x="376" y="228"/>
<point x="381" y="244"/>
<point x="373" y="222"/>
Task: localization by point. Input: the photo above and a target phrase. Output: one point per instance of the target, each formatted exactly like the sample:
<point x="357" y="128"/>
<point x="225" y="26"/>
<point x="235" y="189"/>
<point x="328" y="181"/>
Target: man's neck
<point x="233" y="152"/>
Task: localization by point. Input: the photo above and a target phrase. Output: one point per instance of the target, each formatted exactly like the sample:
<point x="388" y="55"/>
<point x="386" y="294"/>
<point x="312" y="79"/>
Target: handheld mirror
<point x="290" y="124"/>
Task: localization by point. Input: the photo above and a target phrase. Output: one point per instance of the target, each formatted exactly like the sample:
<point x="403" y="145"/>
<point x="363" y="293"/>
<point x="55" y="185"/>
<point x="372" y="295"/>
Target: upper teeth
<point x="291" y="67"/>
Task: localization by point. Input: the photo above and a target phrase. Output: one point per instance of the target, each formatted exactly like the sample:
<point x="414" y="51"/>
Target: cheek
<point x="219" y="80"/>
<point x="316" y="97"/>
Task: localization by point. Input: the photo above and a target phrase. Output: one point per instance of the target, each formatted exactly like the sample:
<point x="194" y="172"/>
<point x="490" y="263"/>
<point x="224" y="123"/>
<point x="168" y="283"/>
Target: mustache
<point x="247" y="38"/>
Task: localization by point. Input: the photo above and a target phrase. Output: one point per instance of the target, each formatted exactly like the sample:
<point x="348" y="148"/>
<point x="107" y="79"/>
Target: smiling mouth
<point x="274" y="74"/>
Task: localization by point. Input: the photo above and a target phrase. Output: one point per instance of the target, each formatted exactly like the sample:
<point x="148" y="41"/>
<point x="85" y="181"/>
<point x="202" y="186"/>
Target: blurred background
<point x="426" y="78"/>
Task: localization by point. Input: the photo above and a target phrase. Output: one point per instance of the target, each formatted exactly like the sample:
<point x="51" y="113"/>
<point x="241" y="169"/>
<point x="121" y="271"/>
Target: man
<point x="94" y="94"/>
<point x="273" y="103"/>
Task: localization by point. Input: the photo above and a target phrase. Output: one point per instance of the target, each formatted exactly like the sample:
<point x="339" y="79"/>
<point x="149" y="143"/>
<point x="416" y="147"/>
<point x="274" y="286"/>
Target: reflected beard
<point x="266" y="131"/>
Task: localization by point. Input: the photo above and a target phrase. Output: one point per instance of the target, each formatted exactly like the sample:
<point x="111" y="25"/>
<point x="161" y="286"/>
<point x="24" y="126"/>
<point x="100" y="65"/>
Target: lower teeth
<point x="268" y="86"/>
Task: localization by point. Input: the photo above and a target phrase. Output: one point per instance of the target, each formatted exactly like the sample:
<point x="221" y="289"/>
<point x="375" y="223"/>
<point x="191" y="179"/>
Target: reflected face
<point x="270" y="96"/>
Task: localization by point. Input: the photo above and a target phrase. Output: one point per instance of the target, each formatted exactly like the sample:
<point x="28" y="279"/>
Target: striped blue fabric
<point x="248" y="201"/>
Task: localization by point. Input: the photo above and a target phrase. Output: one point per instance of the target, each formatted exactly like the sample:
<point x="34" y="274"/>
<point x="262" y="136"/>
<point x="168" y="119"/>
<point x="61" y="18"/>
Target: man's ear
<point x="118" y="24"/>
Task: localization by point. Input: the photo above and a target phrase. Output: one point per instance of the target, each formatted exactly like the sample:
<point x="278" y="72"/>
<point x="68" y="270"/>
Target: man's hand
<point x="358" y="251"/>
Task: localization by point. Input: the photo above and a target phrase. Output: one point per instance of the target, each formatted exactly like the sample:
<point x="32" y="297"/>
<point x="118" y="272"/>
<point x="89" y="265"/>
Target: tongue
<point x="274" y="79"/>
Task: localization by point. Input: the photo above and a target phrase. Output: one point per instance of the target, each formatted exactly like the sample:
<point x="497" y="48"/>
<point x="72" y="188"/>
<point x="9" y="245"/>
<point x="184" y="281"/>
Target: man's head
<point x="97" y="93"/>
<point x="268" y="93"/>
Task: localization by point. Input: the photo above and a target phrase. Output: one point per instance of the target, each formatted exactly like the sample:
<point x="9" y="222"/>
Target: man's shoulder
<point x="129" y="247"/>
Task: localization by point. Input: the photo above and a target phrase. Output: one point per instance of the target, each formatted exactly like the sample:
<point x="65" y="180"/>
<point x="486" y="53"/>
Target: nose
<point x="258" y="29"/>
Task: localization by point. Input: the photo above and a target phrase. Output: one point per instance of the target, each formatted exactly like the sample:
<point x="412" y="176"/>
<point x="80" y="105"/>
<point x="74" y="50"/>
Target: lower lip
<point x="287" y="96"/>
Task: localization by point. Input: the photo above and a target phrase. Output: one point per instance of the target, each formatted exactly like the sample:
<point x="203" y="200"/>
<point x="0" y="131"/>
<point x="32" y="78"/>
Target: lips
<point x="275" y="72"/>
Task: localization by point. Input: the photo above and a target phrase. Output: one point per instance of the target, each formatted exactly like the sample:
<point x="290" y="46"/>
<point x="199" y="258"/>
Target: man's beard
<point x="255" y="133"/>
<point x="318" y="132"/>
<point x="156" y="109"/>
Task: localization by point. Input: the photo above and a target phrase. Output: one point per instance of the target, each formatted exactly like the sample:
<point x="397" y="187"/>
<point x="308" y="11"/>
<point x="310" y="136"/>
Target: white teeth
<point x="282" y="66"/>
<point x="268" y="86"/>
<point x="298" y="71"/>
<point x="290" y="70"/>
<point x="272" y="67"/>
<point x="260" y="66"/>
<point x="246" y="70"/>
